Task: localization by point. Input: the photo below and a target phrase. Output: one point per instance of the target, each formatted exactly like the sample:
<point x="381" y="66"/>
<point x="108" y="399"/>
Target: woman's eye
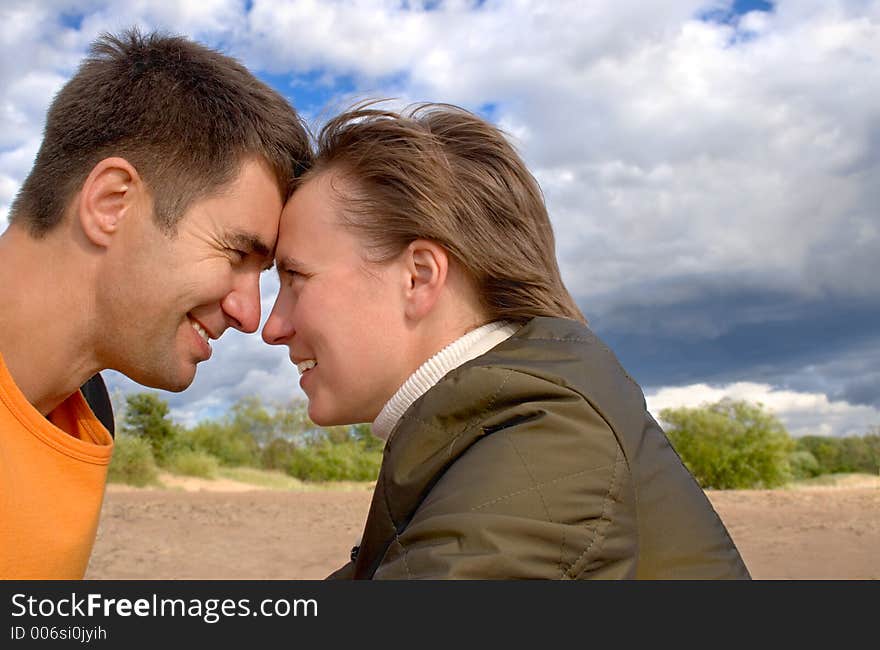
<point x="295" y="278"/>
<point x="236" y="254"/>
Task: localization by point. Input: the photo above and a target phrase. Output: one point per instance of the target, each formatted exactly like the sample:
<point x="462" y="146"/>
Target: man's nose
<point x="242" y="304"/>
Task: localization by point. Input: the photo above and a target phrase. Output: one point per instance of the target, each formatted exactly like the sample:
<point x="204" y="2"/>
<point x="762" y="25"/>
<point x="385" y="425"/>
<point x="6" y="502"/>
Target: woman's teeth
<point x="302" y="366"/>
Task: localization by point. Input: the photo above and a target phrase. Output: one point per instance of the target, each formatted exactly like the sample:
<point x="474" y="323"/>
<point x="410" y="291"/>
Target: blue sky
<point x="712" y="168"/>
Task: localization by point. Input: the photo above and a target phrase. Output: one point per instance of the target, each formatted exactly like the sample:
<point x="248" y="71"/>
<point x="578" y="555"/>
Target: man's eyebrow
<point x="250" y="244"/>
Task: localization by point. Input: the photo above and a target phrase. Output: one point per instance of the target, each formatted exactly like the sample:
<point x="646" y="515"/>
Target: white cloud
<point x="25" y="100"/>
<point x="8" y="187"/>
<point x="748" y="150"/>
<point x="802" y="413"/>
<point x="372" y="38"/>
<point x="673" y="152"/>
<point x="217" y="21"/>
<point x="756" y="158"/>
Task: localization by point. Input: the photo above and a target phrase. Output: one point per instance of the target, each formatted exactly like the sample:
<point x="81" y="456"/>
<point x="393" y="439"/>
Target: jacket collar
<point x="470" y="346"/>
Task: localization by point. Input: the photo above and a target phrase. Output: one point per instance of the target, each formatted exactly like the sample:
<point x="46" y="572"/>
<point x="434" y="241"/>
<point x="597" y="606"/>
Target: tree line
<point x="251" y="434"/>
<point x="726" y="445"/>
<point x="735" y="444"/>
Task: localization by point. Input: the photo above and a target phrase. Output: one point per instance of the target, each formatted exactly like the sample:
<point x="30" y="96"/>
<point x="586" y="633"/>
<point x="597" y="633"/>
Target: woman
<point x="420" y="292"/>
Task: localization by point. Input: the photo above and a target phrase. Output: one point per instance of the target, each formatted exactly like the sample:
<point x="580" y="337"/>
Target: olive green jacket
<point x="538" y="459"/>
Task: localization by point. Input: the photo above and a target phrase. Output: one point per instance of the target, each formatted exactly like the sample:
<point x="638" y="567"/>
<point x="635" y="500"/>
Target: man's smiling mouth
<point x="201" y="331"/>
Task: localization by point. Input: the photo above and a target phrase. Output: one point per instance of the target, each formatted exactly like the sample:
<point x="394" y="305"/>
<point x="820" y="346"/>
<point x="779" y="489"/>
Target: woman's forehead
<point x="312" y="224"/>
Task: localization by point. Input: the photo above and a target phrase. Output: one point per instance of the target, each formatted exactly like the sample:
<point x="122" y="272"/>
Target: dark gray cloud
<point x="827" y="345"/>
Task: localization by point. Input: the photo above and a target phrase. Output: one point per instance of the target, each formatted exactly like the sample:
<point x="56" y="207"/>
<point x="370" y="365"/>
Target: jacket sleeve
<point x="544" y="494"/>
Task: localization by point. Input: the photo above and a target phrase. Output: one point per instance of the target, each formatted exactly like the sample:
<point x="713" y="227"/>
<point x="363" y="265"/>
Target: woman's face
<point x="341" y="316"/>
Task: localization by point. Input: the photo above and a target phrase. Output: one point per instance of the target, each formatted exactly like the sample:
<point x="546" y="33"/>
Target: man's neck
<point x="45" y="311"/>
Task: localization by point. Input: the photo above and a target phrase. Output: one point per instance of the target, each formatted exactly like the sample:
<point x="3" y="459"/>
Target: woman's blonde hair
<point x="439" y="172"/>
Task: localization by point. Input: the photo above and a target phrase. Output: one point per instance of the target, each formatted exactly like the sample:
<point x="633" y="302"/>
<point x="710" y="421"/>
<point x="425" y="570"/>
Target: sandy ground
<point x="226" y="530"/>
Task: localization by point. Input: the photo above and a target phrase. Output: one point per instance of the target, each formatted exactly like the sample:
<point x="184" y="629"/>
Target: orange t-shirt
<point x="52" y="478"/>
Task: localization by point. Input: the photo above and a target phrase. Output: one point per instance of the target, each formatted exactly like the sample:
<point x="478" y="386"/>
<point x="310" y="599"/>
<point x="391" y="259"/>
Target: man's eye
<point x="237" y="255"/>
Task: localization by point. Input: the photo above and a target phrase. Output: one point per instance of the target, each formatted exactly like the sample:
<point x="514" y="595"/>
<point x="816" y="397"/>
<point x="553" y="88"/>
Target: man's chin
<point x="176" y="388"/>
<point x="182" y="382"/>
<point x="171" y="382"/>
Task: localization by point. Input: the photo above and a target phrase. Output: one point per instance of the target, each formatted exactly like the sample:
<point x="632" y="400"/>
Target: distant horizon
<point x="692" y="397"/>
<point x="711" y="168"/>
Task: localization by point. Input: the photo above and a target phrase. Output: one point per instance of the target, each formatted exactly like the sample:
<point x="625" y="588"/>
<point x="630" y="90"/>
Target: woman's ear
<point x="427" y="267"/>
<point x="107" y="196"/>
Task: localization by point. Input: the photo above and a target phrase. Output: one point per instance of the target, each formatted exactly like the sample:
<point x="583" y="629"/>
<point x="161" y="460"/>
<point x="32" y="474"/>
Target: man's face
<point x="341" y="317"/>
<point x="163" y="298"/>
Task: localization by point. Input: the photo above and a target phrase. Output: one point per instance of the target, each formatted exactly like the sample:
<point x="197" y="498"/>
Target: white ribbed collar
<point x="457" y="353"/>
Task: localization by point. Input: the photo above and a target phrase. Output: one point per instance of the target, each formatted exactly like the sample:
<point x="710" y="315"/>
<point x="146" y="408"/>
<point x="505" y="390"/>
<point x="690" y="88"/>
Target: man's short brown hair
<point x="183" y="115"/>
<point x="439" y="172"/>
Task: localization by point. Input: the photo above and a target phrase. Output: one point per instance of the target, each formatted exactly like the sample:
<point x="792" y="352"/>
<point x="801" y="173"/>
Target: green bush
<point x="363" y="433"/>
<point x="278" y="454"/>
<point x="146" y="417"/>
<point x="132" y="462"/>
<point x="731" y="444"/>
<point x="850" y="454"/>
<point x="343" y="461"/>
<point x="193" y="463"/>
<point x="229" y="445"/>
<point x="803" y="465"/>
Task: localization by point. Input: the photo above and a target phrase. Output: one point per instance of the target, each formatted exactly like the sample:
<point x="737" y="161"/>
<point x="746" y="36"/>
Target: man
<point x="137" y="239"/>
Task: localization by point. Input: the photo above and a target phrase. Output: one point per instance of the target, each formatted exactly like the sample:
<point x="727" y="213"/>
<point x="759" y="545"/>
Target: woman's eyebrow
<point x="288" y="263"/>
